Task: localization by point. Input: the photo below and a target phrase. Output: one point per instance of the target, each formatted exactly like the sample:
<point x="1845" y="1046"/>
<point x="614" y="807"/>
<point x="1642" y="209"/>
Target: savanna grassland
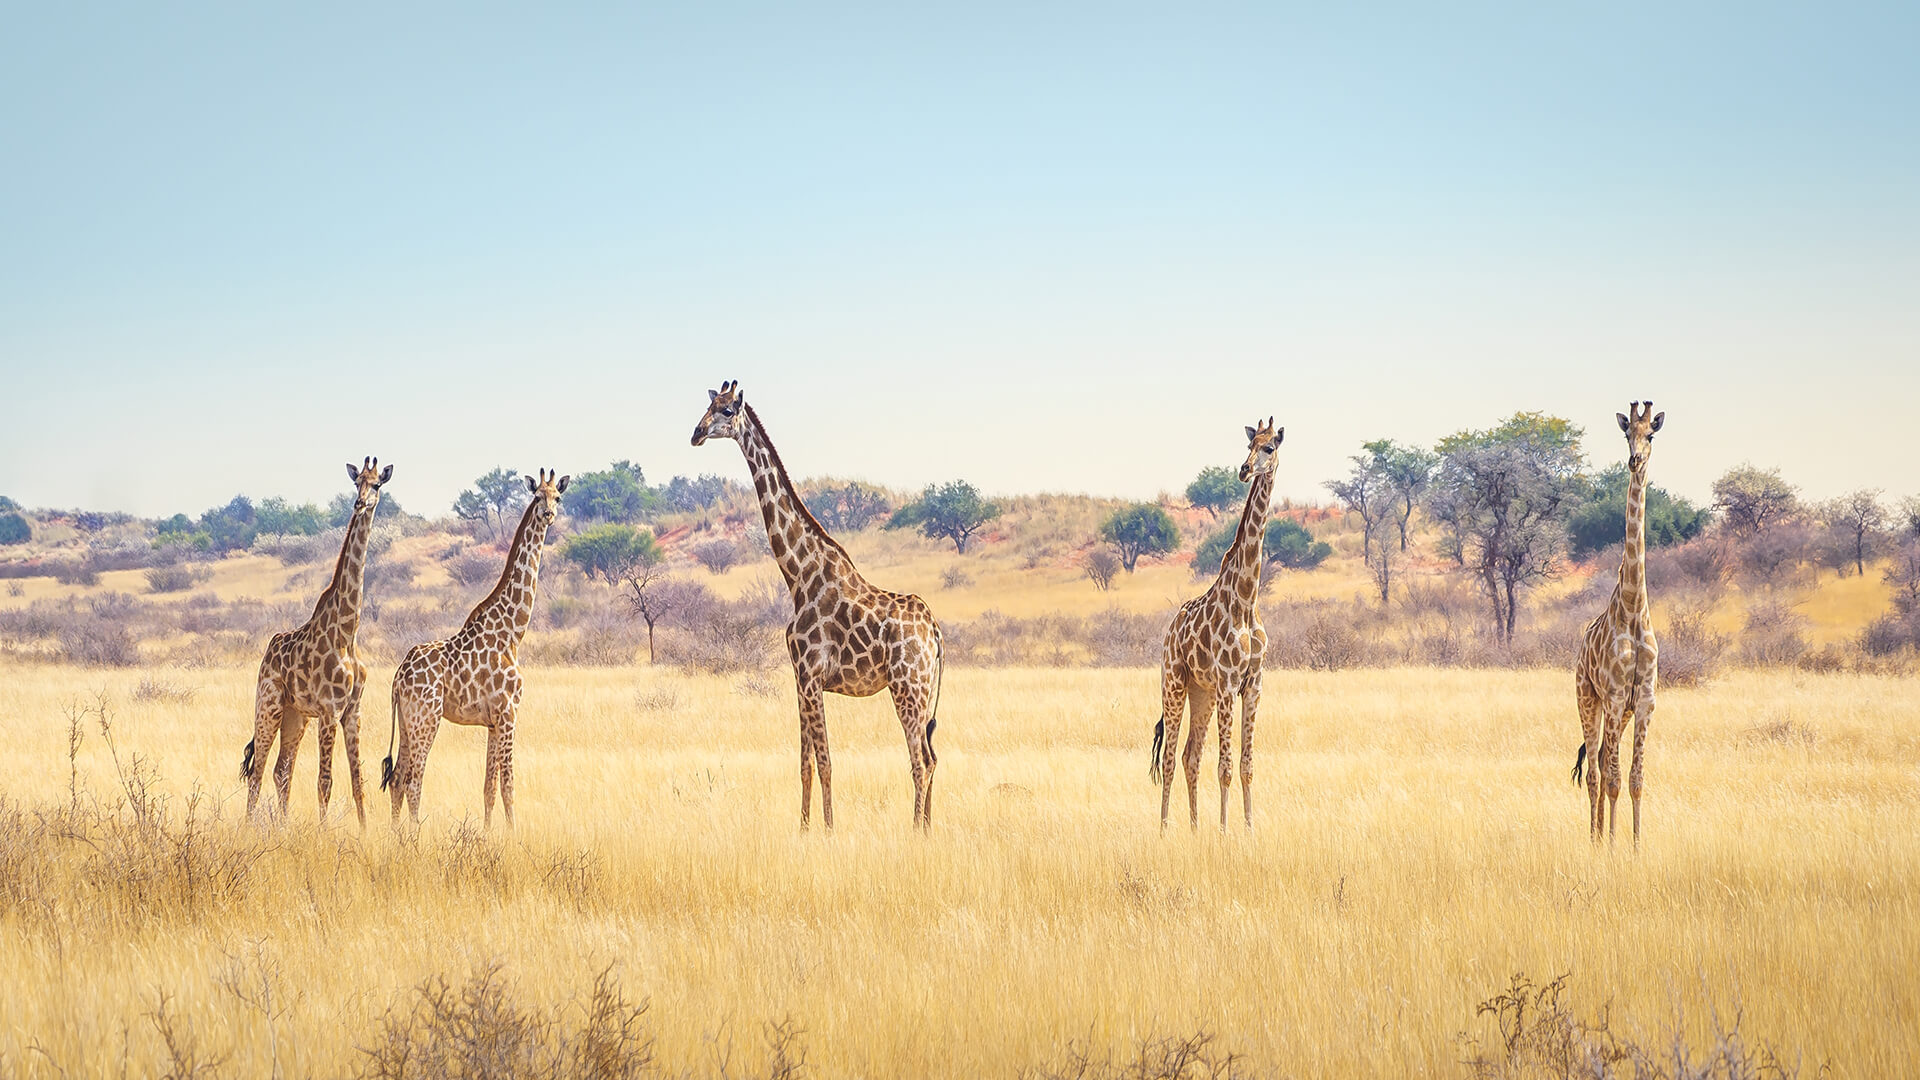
<point x="1416" y="842"/>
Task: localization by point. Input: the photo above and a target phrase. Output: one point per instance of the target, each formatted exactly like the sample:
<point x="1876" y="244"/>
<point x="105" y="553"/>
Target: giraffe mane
<point x="780" y="467"/>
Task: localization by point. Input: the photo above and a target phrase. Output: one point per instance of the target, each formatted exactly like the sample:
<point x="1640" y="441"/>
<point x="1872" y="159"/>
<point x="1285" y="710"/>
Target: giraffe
<point x="847" y="637"/>
<point x="1214" y="648"/>
<point x="1620" y="662"/>
<point x="315" y="671"/>
<point x="472" y="677"/>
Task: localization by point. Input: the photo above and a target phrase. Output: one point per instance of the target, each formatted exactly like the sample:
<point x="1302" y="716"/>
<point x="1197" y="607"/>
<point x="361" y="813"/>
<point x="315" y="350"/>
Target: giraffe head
<point x="1639" y="423"/>
<point x="1262" y="442"/>
<point x="725" y="417"/>
<point x="367" y="479"/>
<point x="546" y="493"/>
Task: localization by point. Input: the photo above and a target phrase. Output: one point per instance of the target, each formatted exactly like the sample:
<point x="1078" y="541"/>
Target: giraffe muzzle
<point x="699" y="435"/>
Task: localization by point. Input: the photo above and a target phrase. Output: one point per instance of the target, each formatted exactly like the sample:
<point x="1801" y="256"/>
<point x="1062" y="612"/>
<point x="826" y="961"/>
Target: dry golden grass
<point x="1416" y="840"/>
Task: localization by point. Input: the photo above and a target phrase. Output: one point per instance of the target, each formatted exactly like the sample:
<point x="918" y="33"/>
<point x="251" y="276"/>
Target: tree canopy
<point x="611" y="551"/>
<point x="1217" y="488"/>
<point x="1601" y="519"/>
<point x="954" y="511"/>
<point x="1140" y="529"/>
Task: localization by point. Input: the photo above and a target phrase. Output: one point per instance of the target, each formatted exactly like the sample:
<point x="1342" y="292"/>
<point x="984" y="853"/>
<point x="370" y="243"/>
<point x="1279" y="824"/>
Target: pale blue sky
<point x="1038" y="246"/>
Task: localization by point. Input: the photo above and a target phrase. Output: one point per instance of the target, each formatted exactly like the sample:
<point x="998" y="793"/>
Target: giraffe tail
<point x="386" y="766"/>
<point x="246" y="761"/>
<point x="1159" y="743"/>
<point x="1579" y="762"/>
<point x="939" y="676"/>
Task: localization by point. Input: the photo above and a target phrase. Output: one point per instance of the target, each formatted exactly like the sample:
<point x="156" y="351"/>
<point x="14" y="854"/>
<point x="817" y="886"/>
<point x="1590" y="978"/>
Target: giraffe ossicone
<point x="847" y="636"/>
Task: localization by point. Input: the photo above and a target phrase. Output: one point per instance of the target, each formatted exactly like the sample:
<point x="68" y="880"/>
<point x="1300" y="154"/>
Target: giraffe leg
<point x="806" y="772"/>
<point x="505" y="728"/>
<point x="1611" y="779"/>
<point x="1592" y="730"/>
<point x="293" y="728"/>
<point x="1173" y="702"/>
<point x="350" y="730"/>
<point x="1642" y="718"/>
<point x="266" y="726"/>
<point x="1190" y="757"/>
<point x="396" y="784"/>
<point x="424" y="729"/>
<point x="326" y="734"/>
<point x="493" y="773"/>
<point x="813" y="724"/>
<point x="1249" y="707"/>
<point x="1223" y="715"/>
<point x="910" y="706"/>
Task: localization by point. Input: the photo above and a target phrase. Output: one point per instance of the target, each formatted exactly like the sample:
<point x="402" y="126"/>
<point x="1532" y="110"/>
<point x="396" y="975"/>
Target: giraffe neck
<point x="1240" y="570"/>
<point x="1633" y="558"/>
<point x="339" y="605"/>
<point x="801" y="547"/>
<point x="510" y="604"/>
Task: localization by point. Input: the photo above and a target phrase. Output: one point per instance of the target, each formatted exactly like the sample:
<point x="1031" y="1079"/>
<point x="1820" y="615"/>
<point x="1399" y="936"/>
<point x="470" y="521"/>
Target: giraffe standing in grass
<point x="315" y="671"/>
<point x="847" y="637"/>
<point x="1214" y="648"/>
<point x="472" y="677"/>
<point x="1620" y="661"/>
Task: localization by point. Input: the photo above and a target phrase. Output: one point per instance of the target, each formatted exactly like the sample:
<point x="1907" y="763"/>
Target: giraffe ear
<point x="712" y="395"/>
<point x="1622" y="417"/>
<point x="1658" y="419"/>
<point x="353" y="474"/>
<point x="1279" y="436"/>
<point x="1251" y="434"/>
<point x="561" y="487"/>
<point x="386" y="474"/>
<point x="532" y="486"/>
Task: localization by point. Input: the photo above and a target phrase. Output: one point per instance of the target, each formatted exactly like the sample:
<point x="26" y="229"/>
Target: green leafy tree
<point x="1217" y="488"/>
<point x="1140" y="529"/>
<point x="618" y="493"/>
<point x="491" y="500"/>
<point x="612" y="551"/>
<point x="683" y="495"/>
<point x="231" y="527"/>
<point x="953" y="511"/>
<point x="1508" y="492"/>
<point x="340" y="510"/>
<point x="1290" y="544"/>
<point x="276" y="515"/>
<point x="1407" y="473"/>
<point x="1212" y="552"/>
<point x="8" y="506"/>
<point x="14" y="529"/>
<point x="1602" y="519"/>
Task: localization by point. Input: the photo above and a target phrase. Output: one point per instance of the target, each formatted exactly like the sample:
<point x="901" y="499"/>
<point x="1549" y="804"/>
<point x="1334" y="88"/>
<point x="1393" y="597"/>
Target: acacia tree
<point x="655" y="598"/>
<point x="491" y="500"/>
<point x="954" y="511"/>
<point x="1859" y="519"/>
<point x="612" y="551"/>
<point x="1752" y="500"/>
<point x="1510" y="489"/>
<point x="1217" y="488"/>
<point x="1368" y="492"/>
<point x="1140" y="529"/>
<point x="1407" y="472"/>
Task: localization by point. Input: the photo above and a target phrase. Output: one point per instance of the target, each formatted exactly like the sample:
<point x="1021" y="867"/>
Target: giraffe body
<point x="314" y="672"/>
<point x="847" y="636"/>
<point x="1214" y="650"/>
<point x="473" y="677"/>
<point x="1619" y="663"/>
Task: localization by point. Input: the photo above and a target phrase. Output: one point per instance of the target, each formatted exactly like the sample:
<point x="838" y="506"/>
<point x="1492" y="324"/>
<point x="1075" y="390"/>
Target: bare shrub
<point x="1785" y="731"/>
<point x="955" y="577"/>
<point x="1125" y="638"/>
<point x="1319" y="635"/>
<point x="1705" y="563"/>
<point x="727" y="639"/>
<point x="171" y="579"/>
<point x="475" y="567"/>
<point x="1184" y="1057"/>
<point x="1690" y="648"/>
<point x="151" y="689"/>
<point x="297" y="550"/>
<point x="1892" y="634"/>
<point x="16" y="588"/>
<point x="758" y="684"/>
<point x="480" y="1031"/>
<point x="1774" y="558"/>
<point x="656" y="699"/>
<point x="1101" y="566"/>
<point x="75" y="572"/>
<point x="718" y="556"/>
<point x="97" y="641"/>
<point x="1772" y="635"/>
<point x="1539" y="1036"/>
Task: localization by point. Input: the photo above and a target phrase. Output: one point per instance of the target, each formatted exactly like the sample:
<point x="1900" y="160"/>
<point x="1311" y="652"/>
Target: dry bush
<point x="955" y="577"/>
<point x="718" y="556"/>
<point x="1782" y="732"/>
<point x="728" y="638"/>
<point x="297" y="550"/>
<point x="1775" y="558"/>
<point x="757" y="684"/>
<point x="96" y="641"/>
<point x="1187" y="1057"/>
<point x="172" y="579"/>
<point x="1690" y="649"/>
<point x="16" y="588"/>
<point x="656" y="699"/>
<point x="151" y="689"/>
<point x="1101" y="567"/>
<point x="475" y="567"/>
<point x="74" y="572"/>
<point x="1772" y="636"/>
<point x="1127" y="638"/>
<point x="479" y="1031"/>
<point x="1895" y="634"/>
<point x="1320" y="635"/>
<point x="1539" y="1036"/>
